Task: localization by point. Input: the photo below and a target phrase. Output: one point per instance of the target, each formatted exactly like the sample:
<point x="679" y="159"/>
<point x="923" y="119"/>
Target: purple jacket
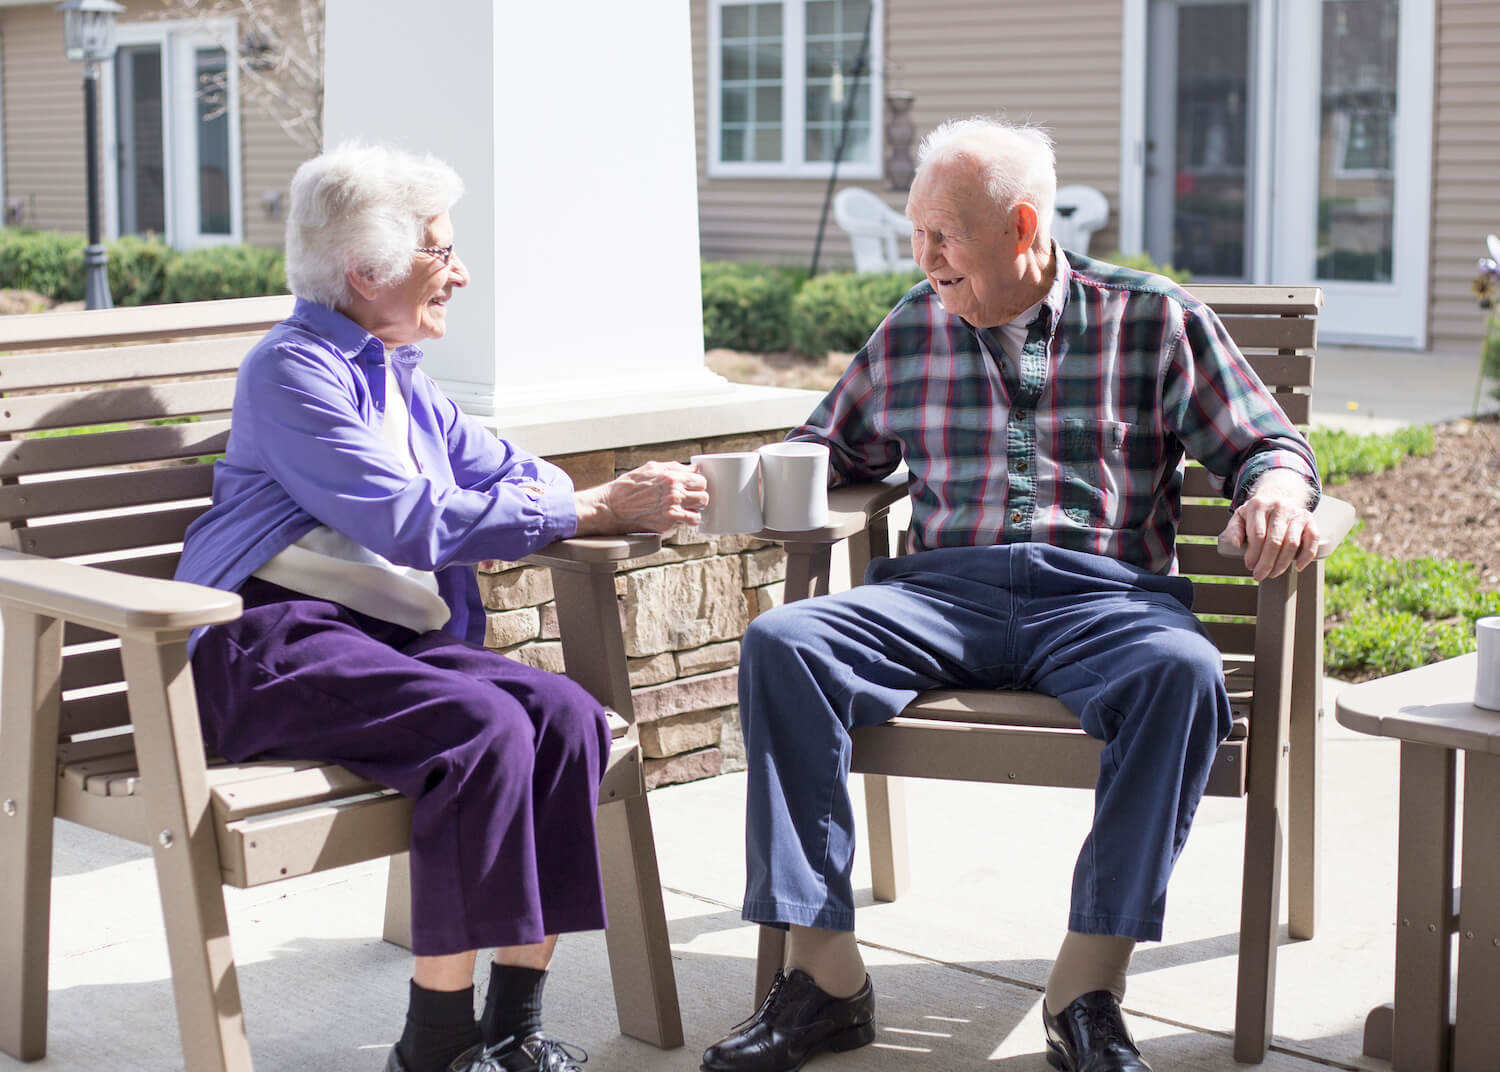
<point x="305" y="449"/>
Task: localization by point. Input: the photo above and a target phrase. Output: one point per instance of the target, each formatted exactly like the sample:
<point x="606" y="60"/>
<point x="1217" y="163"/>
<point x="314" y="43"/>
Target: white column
<point x="572" y="126"/>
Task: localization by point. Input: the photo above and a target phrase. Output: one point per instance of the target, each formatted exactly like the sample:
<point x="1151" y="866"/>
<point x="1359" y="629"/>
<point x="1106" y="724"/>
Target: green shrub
<point x="50" y="264"/>
<point x="1385" y="615"/>
<point x="1142" y="262"/>
<point x="1344" y="454"/>
<point x="748" y="306"/>
<point x="224" y="272"/>
<point x="1490" y="357"/>
<point x="138" y="270"/>
<point x="838" y="311"/>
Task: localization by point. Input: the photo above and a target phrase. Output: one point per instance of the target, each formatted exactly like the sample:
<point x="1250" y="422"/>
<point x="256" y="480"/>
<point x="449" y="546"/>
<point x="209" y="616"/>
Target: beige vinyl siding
<point x="44" y="157"/>
<point x="268" y="158"/>
<point x="960" y="58"/>
<point x="1465" y="165"/>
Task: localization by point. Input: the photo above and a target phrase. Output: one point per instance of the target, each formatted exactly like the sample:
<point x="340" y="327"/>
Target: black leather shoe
<point x="797" y="1021"/>
<point x="536" y="1053"/>
<point x="1090" y="1036"/>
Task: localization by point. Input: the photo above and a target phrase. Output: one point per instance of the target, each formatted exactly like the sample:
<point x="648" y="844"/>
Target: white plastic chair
<point x="1079" y="211"/>
<point x="879" y="235"/>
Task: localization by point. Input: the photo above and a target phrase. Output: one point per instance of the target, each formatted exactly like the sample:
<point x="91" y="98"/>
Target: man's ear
<point x="1026" y="220"/>
<point x="360" y="282"/>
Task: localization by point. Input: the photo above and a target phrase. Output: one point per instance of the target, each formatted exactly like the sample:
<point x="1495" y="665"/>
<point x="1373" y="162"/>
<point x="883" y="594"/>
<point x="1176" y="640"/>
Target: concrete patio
<point x="958" y="964"/>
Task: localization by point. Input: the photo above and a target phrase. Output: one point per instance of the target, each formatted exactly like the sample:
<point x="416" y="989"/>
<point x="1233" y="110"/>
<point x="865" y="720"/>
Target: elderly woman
<point x="348" y="512"/>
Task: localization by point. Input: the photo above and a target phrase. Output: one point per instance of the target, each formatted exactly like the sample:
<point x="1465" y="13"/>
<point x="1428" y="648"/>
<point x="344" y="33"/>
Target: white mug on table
<point x="1487" y="680"/>
<point x="733" y="492"/>
<point x="795" y="480"/>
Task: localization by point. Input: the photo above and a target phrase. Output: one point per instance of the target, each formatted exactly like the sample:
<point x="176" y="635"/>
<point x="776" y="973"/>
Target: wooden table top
<point x="1432" y="704"/>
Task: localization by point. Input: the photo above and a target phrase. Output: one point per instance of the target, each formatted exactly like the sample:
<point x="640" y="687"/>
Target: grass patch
<point x="1385" y="615"/>
<point x="1344" y="454"/>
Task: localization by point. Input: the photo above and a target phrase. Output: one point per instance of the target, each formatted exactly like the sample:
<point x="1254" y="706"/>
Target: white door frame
<point x="1286" y="211"/>
<point x="177" y="40"/>
<point x="1377" y="314"/>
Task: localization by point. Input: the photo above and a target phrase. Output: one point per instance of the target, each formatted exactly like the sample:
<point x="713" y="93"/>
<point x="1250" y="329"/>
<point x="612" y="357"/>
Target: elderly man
<point x="1043" y="403"/>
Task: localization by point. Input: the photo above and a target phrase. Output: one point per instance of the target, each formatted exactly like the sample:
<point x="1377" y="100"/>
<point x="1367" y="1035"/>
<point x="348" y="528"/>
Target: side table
<point x="1431" y="711"/>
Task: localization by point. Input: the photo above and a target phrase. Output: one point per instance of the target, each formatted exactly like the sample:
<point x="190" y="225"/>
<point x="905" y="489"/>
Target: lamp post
<point x="89" y="35"/>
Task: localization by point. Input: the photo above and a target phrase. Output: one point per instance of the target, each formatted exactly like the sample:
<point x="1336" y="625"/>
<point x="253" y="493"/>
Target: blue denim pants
<point x="1116" y="644"/>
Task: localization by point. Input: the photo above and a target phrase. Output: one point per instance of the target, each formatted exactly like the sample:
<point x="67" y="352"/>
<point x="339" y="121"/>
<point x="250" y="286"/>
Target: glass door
<point x="171" y="114"/>
<point x="139" y="161"/>
<point x="1199" y="107"/>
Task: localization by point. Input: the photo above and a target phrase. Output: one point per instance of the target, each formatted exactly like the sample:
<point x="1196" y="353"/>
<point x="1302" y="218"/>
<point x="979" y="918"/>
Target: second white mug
<point x="795" y="479"/>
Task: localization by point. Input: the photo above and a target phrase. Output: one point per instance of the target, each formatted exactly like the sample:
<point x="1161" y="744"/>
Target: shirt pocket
<point x="1097" y="471"/>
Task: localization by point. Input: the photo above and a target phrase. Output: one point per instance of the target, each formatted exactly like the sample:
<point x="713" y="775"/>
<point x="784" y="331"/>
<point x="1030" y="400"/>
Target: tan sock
<point x="1085" y="963"/>
<point x="830" y="957"/>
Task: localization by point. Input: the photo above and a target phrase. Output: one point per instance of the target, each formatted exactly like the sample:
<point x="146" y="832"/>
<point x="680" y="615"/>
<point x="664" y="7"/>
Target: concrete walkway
<point x="958" y="963"/>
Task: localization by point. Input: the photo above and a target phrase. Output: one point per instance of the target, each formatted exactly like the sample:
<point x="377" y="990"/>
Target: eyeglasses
<point x="443" y="253"/>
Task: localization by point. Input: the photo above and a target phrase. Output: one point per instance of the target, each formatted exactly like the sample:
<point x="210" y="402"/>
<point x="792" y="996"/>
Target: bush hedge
<point x="141" y="271"/>
<point x="746" y="306"/>
<point x="840" y="310"/>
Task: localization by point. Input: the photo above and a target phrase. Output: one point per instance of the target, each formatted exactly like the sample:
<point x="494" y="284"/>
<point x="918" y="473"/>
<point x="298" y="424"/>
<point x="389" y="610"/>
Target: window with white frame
<point x="171" y="119"/>
<point x="788" y="82"/>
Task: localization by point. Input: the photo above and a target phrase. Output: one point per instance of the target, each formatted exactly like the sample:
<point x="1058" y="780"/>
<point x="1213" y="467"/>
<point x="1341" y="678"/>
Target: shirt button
<point x="1020" y="414"/>
<point x="1016" y="517"/>
<point x="1020" y="467"/>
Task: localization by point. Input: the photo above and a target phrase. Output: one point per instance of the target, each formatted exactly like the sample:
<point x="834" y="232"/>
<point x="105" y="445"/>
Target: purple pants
<point x="503" y="761"/>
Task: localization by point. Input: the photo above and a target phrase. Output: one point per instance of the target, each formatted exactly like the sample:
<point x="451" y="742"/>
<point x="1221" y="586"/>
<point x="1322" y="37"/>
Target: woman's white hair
<point x="363" y="208"/>
<point x="1017" y="162"/>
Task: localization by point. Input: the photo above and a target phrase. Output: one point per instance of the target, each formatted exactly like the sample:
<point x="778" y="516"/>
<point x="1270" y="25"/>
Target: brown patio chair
<point x="98" y="719"/>
<point x="1271" y="638"/>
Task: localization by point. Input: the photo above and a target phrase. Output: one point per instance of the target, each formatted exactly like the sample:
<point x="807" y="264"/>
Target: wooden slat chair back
<point x="1271" y="638"/>
<point x="109" y="422"/>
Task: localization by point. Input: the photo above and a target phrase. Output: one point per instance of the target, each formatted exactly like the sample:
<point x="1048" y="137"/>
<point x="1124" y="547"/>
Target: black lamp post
<point x="89" y="35"/>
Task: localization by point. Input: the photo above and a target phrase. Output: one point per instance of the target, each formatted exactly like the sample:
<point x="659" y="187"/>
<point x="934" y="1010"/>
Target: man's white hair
<point x="1017" y="162"/>
<point x="365" y="208"/>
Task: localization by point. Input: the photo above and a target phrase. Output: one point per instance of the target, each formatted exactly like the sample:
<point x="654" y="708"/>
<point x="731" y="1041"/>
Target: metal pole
<point x="95" y="258"/>
<point x="838" y="152"/>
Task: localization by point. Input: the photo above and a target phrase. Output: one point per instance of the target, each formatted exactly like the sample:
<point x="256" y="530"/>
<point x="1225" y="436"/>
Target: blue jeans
<point x="1116" y="644"/>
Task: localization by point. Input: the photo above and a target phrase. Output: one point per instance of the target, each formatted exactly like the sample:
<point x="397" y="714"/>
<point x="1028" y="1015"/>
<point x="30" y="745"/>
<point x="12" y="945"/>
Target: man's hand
<point x="657" y="497"/>
<point x="1274" y="525"/>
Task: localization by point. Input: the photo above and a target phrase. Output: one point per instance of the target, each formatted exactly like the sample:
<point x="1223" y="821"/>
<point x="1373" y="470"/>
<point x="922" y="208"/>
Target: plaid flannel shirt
<point x="1077" y="441"/>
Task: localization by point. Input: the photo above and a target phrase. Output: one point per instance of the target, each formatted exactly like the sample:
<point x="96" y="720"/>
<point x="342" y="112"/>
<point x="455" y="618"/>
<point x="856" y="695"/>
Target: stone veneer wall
<point x="684" y="610"/>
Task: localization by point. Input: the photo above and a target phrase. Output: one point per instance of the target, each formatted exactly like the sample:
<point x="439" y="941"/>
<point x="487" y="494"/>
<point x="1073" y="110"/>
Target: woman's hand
<point x="657" y="497"/>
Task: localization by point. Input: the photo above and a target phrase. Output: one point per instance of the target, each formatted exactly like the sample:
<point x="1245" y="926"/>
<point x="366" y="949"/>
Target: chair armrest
<point x="850" y="509"/>
<point x="113" y="602"/>
<point x="1334" y="518"/>
<point x="586" y="550"/>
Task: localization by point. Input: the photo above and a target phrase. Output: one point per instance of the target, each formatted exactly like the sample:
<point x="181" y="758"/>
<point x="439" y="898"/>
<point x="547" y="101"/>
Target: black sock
<point x="439" y="1026"/>
<point x="513" y="1007"/>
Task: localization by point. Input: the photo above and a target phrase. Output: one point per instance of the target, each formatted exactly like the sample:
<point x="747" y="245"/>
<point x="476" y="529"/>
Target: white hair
<point x="1017" y="162"/>
<point x="363" y="208"/>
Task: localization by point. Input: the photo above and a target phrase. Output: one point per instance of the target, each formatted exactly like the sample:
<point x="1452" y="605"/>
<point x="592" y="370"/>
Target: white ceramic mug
<point x="795" y="478"/>
<point x="733" y="492"/>
<point x="1487" y="681"/>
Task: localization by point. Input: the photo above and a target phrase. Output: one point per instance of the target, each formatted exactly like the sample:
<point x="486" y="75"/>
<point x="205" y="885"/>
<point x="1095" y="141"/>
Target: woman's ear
<point x="361" y="282"/>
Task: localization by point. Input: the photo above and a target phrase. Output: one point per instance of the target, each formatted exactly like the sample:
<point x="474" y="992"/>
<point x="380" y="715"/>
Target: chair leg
<point x="397" y="928"/>
<point x="885" y="811"/>
<point x="169" y="746"/>
<point x="28" y="786"/>
<point x="640" y="953"/>
<point x="1265" y="832"/>
<point x="770" y="956"/>
<point x="1304" y="814"/>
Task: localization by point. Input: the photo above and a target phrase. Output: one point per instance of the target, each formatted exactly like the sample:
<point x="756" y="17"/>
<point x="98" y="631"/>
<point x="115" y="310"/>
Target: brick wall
<point x="683" y="609"/>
